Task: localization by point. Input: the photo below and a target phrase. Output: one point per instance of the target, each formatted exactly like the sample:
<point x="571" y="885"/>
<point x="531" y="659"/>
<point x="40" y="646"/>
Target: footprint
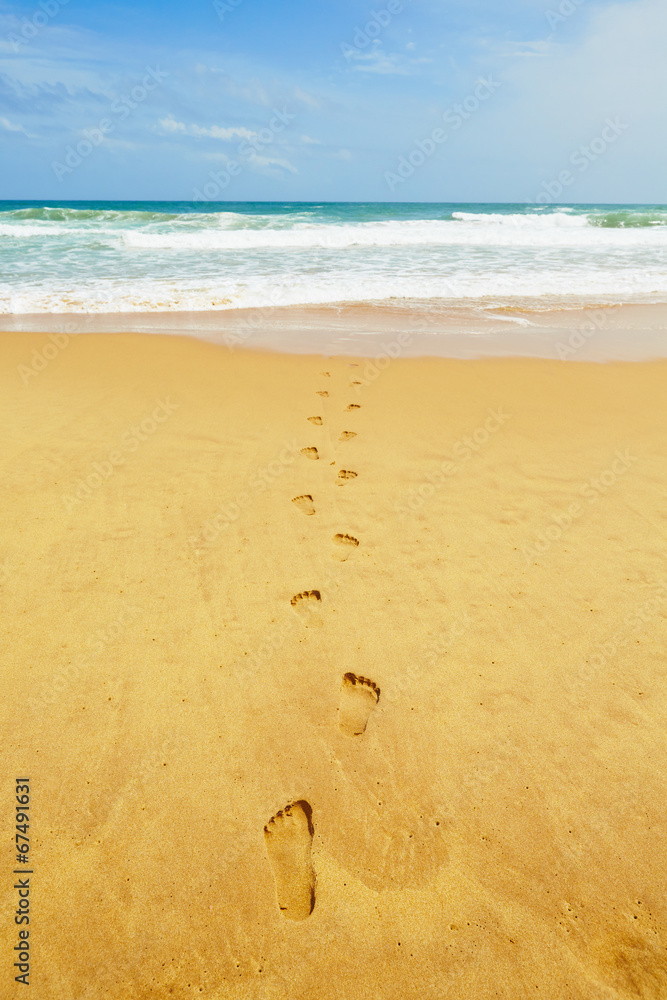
<point x="353" y="406"/>
<point x="358" y="698"/>
<point x="345" y="544"/>
<point x="355" y="382"/>
<point x="347" y="474"/>
<point x="305" y="503"/>
<point x="347" y="435"/>
<point x="307" y="606"/>
<point x="310" y="453"/>
<point x="289" y="836"/>
<point x="305" y="595"/>
<point x="328" y="374"/>
<point x="316" y="420"/>
<point x="322" y="392"/>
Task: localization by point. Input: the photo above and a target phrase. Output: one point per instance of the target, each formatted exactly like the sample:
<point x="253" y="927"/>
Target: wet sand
<point x="593" y="331"/>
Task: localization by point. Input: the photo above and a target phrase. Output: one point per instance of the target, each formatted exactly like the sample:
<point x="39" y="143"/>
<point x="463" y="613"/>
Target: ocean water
<point x="110" y="257"/>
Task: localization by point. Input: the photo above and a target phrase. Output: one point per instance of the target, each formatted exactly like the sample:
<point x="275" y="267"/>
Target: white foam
<point x="19" y="231"/>
<point x="189" y="294"/>
<point x="533" y="231"/>
<point x="552" y="220"/>
<point x="110" y="261"/>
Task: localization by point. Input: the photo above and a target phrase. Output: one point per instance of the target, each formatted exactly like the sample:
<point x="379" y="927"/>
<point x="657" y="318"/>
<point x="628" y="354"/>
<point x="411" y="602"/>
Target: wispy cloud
<point x="251" y="91"/>
<point x="266" y="164"/>
<point x="376" y="60"/>
<point x="170" y="125"/>
<point x="11" y="127"/>
<point x="518" y="50"/>
<point x="304" y="98"/>
<point x="562" y="76"/>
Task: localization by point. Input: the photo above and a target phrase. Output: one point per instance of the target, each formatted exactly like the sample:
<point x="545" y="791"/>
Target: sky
<point x="290" y="100"/>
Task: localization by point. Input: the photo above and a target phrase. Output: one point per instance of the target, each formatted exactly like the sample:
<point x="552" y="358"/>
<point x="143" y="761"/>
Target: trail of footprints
<point x="289" y="834"/>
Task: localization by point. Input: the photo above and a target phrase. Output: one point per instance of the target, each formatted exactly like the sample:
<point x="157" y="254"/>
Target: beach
<point x="201" y="540"/>
<point x="589" y="331"/>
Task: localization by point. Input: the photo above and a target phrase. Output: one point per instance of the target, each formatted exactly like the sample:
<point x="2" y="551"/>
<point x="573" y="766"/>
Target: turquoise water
<point x="178" y="256"/>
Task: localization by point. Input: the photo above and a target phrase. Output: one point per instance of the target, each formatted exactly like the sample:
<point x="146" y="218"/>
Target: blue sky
<point x="334" y="101"/>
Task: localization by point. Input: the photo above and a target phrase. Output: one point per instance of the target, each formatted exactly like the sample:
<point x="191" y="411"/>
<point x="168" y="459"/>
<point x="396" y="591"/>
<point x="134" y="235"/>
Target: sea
<point x="125" y="257"/>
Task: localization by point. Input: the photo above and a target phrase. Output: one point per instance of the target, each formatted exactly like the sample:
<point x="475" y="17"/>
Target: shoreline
<point x="594" y="332"/>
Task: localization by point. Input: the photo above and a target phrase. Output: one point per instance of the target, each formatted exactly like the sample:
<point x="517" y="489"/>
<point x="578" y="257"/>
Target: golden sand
<point x="403" y="665"/>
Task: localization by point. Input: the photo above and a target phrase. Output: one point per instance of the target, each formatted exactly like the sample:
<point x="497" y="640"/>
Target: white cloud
<point x="170" y="125"/>
<point x="251" y="91"/>
<point x="265" y="164"/>
<point x="307" y="99"/>
<point x="384" y="63"/>
<point x="11" y="127"/>
<point x="377" y="61"/>
<point x="618" y="67"/>
<point x="548" y="108"/>
<point x="517" y="50"/>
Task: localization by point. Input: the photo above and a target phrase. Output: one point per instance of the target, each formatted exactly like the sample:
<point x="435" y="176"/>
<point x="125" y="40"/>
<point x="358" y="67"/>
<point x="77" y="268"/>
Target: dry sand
<point x="183" y="591"/>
